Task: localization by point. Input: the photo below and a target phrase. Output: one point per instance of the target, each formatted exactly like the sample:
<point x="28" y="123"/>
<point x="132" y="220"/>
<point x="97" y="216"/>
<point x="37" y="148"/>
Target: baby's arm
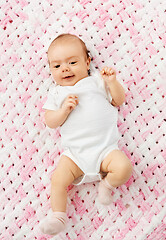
<point x="116" y="90"/>
<point x="56" y="118"/>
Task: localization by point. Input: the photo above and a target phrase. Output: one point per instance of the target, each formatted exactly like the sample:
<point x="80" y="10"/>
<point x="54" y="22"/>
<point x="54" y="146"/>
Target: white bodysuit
<point x="90" y="131"/>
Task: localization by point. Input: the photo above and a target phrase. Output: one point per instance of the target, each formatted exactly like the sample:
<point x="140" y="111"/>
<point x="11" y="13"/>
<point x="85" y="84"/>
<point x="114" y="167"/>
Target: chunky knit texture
<point x="129" y="36"/>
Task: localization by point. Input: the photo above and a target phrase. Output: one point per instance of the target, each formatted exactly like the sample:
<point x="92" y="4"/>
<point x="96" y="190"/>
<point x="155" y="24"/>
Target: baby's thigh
<point x="116" y="161"/>
<point x="66" y="172"/>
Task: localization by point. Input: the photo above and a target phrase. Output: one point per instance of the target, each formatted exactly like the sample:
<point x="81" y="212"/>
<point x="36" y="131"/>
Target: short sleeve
<point x="101" y="85"/>
<point x="50" y="103"/>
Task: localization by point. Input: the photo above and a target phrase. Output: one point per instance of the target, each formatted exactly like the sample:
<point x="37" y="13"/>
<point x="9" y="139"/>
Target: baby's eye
<point x="72" y="63"/>
<point x="56" y="66"/>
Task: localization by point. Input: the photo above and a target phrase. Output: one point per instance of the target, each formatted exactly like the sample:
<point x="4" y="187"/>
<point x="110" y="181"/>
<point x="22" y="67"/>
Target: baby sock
<point x="54" y="223"/>
<point x="104" y="193"/>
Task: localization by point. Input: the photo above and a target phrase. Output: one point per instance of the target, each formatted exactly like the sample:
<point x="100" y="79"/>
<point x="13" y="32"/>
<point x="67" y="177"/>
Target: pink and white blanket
<point x="129" y="36"/>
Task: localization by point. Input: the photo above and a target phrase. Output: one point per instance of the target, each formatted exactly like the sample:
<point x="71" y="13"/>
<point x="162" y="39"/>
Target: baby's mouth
<point x="68" y="77"/>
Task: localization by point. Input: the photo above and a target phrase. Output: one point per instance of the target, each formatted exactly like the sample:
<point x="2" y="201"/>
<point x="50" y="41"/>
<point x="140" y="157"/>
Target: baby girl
<point x="85" y="109"/>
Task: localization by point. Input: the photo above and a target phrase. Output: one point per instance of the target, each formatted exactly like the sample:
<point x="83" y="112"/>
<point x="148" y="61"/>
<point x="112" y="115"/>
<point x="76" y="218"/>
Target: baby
<point x="85" y="109"/>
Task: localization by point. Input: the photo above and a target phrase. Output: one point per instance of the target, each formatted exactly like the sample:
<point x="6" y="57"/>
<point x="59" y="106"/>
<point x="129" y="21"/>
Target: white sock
<point x="104" y="192"/>
<point x="54" y="223"/>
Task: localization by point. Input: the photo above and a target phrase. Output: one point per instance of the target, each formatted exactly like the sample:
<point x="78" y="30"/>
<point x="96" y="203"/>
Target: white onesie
<point x="90" y="131"/>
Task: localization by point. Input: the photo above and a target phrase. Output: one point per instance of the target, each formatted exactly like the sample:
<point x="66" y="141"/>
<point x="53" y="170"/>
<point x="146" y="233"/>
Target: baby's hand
<point x="108" y="75"/>
<point x="70" y="103"/>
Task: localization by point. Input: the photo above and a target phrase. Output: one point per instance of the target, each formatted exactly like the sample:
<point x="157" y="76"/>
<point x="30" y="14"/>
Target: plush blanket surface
<point x="129" y="36"/>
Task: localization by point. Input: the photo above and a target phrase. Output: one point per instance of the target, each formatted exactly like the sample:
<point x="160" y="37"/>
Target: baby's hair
<point x="71" y="36"/>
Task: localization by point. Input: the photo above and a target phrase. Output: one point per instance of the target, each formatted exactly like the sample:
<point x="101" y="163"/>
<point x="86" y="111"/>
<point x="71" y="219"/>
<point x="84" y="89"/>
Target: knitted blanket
<point x="129" y="36"/>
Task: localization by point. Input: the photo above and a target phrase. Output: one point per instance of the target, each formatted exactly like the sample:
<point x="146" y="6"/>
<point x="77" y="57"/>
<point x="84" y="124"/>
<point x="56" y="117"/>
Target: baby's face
<point x="68" y="62"/>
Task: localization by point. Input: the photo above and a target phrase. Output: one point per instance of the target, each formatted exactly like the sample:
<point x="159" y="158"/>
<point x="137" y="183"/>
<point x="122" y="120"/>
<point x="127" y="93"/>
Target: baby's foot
<point x="104" y="192"/>
<point x="54" y="223"/>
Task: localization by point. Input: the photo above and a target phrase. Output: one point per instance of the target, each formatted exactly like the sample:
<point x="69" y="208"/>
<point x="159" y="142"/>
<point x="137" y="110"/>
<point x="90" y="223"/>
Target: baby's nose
<point x="65" y="68"/>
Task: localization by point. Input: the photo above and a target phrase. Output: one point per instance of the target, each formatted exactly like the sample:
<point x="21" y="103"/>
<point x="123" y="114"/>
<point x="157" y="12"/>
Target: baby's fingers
<point x="107" y="71"/>
<point x="73" y="101"/>
<point x="71" y="105"/>
<point x="112" y="71"/>
<point x="73" y="97"/>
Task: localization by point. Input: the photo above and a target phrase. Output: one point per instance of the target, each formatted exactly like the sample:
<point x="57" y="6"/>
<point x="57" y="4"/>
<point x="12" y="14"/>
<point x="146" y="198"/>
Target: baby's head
<point x="68" y="59"/>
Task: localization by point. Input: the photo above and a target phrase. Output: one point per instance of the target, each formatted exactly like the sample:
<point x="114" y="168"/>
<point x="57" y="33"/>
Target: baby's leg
<point x="118" y="168"/>
<point x="66" y="172"/>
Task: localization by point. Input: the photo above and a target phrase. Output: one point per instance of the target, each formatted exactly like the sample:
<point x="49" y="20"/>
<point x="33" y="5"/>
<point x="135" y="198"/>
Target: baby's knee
<point x="61" y="178"/>
<point x="56" y="178"/>
<point x="125" y="171"/>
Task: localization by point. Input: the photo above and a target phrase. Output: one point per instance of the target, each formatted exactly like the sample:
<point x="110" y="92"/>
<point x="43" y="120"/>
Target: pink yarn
<point x="129" y="36"/>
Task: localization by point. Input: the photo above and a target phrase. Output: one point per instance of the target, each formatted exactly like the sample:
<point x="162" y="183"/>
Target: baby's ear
<point x="88" y="62"/>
